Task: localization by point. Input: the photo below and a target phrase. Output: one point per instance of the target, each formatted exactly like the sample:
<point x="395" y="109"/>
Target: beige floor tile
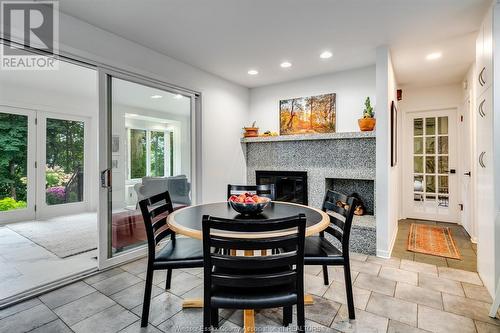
<point x="438" y="321"/>
<point x="440" y="284"/>
<point x="313" y="269"/>
<point x="479" y="293"/>
<point x="469" y="308"/>
<point x="483" y="327"/>
<point x="398" y="327"/>
<point x="418" y="267"/>
<point x="336" y="273"/>
<point x="365" y="322"/>
<point x="399" y="275"/>
<point x="392" y="308"/>
<point x="314" y="285"/>
<point x="365" y="267"/>
<point x="375" y="283"/>
<point x="358" y="256"/>
<point x="392" y="262"/>
<point x="459" y="275"/>
<point x="336" y="292"/>
<point x="419" y="295"/>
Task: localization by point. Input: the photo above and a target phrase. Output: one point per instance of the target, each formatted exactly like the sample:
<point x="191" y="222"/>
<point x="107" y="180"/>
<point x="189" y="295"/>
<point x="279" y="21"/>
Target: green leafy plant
<point x="368" y="111"/>
<point x="9" y="204"/>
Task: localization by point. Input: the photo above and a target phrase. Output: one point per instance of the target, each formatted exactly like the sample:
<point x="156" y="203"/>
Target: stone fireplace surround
<point x="338" y="159"/>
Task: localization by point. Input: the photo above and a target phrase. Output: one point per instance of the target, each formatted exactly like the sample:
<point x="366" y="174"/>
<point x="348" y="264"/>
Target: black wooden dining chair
<point x="248" y="282"/>
<point x="177" y="253"/>
<point x="266" y="190"/>
<point x="320" y="251"/>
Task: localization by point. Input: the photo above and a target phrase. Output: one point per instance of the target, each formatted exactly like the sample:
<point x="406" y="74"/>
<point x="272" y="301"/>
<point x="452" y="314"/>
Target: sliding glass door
<point x="150" y="149"/>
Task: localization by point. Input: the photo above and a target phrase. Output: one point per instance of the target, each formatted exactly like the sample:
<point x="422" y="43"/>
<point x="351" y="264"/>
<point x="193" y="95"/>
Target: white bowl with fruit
<point x="248" y="204"/>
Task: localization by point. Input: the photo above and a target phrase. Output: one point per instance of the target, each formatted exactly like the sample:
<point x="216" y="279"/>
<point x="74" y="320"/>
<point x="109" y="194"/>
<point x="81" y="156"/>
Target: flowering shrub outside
<point x="55" y="195"/>
<point x="10" y="203"/>
<point x="56" y="176"/>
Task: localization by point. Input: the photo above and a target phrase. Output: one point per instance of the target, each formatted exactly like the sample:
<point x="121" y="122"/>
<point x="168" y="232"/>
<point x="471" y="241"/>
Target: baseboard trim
<point x="387" y="254"/>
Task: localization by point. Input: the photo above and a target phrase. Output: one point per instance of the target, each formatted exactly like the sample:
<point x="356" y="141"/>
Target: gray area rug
<point x="64" y="236"/>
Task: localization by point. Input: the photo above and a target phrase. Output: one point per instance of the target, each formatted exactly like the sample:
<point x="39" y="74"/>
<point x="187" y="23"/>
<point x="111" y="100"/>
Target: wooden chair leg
<point x="325" y="275"/>
<point x="301" y="321"/>
<point x="287" y="315"/>
<point x="214" y="317"/>
<point x="348" y="291"/>
<point x="147" y="298"/>
<point x="169" y="279"/>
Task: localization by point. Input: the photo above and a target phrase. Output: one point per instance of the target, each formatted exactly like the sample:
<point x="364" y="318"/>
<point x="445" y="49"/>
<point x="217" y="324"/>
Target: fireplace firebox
<point x="290" y="186"/>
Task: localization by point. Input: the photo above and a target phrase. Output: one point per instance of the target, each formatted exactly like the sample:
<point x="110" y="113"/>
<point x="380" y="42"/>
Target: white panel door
<point x="431" y="187"/>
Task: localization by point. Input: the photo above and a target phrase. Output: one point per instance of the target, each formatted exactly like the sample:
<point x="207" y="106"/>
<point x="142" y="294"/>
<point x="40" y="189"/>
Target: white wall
<point x="387" y="180"/>
<point x="431" y="98"/>
<point x="352" y="87"/>
<point x="224" y="104"/>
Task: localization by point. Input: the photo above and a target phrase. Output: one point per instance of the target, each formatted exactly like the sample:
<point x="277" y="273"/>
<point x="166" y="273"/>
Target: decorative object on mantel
<point x="269" y="133"/>
<point x="367" y="123"/>
<point x="314" y="114"/>
<point x="251" y="131"/>
<point x="394" y="134"/>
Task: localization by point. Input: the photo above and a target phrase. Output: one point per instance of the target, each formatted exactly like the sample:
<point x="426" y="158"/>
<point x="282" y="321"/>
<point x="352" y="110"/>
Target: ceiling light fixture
<point x="133" y="115"/>
<point x="325" y="55"/>
<point x="253" y="72"/>
<point x="286" y="64"/>
<point x="434" y="56"/>
<point x="156" y="96"/>
<point x="178" y="96"/>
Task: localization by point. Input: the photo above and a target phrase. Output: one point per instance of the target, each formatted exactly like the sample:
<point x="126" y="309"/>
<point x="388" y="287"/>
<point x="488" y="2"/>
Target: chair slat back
<point x="267" y="190"/>
<point x="341" y="221"/>
<point x="155" y="210"/>
<point x="249" y="271"/>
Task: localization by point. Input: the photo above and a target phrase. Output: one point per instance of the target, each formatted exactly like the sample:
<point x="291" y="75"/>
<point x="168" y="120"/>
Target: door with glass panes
<point x="430" y="166"/>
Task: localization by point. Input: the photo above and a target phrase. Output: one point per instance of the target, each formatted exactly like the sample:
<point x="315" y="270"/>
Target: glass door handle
<point x="106" y="178"/>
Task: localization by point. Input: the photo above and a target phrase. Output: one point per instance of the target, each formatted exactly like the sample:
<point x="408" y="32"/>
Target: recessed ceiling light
<point x="286" y="64"/>
<point x="325" y="55"/>
<point x="253" y="72"/>
<point x="434" y="56"/>
<point x="178" y="96"/>
<point x="133" y="115"/>
<point x="156" y="96"/>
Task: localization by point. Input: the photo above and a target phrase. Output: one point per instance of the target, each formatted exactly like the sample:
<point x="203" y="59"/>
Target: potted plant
<point x="251" y="131"/>
<point x="367" y="123"/>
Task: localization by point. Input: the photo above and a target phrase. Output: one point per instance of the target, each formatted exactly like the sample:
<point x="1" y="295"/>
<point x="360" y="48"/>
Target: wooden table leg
<point x="308" y="299"/>
<point x="249" y="321"/>
<point x="192" y="303"/>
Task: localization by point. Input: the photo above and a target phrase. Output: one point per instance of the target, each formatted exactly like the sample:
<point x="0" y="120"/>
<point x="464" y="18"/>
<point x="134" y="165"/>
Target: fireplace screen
<point x="290" y="186"/>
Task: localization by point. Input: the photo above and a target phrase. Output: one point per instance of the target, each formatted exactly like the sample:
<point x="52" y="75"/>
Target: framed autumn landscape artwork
<point x="314" y="114"/>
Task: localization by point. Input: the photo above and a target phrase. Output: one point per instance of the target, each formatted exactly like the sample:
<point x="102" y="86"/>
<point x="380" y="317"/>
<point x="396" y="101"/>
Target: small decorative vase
<point x="366" y="124"/>
<point x="251" y="132"/>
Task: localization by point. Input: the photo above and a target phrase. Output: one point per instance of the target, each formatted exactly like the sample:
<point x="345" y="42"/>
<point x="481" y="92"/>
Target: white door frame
<point x="44" y="210"/>
<point x="407" y="170"/>
<point x="27" y="213"/>
<point x="105" y="258"/>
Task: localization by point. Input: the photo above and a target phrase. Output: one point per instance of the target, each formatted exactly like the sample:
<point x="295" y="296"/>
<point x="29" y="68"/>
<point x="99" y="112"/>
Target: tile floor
<point x="393" y="295"/>
<point x="25" y="265"/>
<point x="466" y="248"/>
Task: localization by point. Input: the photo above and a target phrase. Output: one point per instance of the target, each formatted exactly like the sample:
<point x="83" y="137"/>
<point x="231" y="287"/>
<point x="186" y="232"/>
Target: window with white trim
<point x="150" y="153"/>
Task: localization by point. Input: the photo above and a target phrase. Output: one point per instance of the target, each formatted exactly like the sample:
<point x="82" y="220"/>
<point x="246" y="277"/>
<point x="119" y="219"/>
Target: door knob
<point x="467" y="173"/>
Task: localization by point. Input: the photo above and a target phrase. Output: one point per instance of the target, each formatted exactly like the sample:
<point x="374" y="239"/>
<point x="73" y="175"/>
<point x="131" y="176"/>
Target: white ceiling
<point x="139" y="96"/>
<point x="228" y="37"/>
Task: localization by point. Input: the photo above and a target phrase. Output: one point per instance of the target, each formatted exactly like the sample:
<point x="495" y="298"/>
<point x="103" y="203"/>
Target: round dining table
<point x="188" y="222"/>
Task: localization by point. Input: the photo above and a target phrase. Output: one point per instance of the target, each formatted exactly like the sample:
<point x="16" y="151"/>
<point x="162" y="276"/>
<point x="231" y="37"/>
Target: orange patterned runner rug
<point x="432" y="240"/>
